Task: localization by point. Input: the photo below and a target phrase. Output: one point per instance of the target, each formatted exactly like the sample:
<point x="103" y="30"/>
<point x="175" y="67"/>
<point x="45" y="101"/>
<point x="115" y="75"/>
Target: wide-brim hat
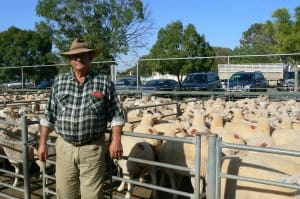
<point x="80" y="46"/>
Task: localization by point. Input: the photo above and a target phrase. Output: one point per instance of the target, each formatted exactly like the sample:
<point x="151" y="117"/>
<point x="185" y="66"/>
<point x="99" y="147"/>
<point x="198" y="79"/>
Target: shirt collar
<point x="90" y="75"/>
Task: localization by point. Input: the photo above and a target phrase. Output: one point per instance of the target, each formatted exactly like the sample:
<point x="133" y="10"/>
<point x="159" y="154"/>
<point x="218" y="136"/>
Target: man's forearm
<point x="116" y="133"/>
<point x="44" y="133"/>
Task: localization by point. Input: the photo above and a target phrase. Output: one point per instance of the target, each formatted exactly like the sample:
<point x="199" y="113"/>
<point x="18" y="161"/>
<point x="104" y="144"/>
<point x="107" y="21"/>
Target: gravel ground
<point x="36" y="184"/>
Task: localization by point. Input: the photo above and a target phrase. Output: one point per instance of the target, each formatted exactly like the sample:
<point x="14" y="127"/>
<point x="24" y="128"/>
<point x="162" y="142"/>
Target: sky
<point x="222" y="22"/>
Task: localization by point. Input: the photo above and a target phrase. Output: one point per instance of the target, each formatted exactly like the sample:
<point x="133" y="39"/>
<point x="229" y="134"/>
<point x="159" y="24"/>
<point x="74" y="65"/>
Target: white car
<point x="18" y="85"/>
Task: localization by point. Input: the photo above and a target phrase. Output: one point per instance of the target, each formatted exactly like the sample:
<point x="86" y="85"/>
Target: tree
<point x="222" y="59"/>
<point x="112" y="26"/>
<point x="175" y="42"/>
<point x="25" y="48"/>
<point x="257" y="40"/>
<point x="286" y="33"/>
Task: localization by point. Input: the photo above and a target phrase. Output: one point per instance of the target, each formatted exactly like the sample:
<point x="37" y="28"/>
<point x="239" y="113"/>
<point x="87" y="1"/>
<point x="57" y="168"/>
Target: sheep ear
<point x="160" y="133"/>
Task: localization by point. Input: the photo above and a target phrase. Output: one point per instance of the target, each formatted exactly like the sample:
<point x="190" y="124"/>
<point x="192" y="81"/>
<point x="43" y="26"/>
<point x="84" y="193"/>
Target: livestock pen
<point x="214" y="173"/>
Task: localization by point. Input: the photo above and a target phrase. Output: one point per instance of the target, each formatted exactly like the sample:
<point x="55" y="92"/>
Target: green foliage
<point x="25" y="48"/>
<point x="221" y="54"/>
<point x="176" y="43"/>
<point x="111" y="26"/>
<point x="285" y="30"/>
<point x="280" y="35"/>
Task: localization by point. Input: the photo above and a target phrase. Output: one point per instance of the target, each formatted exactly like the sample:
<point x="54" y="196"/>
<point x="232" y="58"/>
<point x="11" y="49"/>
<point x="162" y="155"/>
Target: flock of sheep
<point x="256" y="122"/>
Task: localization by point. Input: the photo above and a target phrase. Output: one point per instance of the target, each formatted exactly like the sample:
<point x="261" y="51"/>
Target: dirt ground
<point x="37" y="193"/>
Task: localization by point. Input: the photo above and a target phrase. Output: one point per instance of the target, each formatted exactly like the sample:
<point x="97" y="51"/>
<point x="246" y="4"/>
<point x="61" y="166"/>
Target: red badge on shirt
<point x="98" y="94"/>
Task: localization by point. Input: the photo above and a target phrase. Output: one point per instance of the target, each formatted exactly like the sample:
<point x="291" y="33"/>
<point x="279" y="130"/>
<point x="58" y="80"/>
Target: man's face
<point x="80" y="61"/>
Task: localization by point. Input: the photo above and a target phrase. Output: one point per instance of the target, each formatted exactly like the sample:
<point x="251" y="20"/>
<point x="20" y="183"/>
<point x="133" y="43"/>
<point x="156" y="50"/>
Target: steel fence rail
<point x="215" y="174"/>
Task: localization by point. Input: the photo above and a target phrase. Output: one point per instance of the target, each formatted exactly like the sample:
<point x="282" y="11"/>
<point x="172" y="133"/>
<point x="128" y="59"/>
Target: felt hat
<point x="80" y="46"/>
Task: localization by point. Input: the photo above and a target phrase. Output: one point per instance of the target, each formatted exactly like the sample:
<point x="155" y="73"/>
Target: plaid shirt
<point x="80" y="113"/>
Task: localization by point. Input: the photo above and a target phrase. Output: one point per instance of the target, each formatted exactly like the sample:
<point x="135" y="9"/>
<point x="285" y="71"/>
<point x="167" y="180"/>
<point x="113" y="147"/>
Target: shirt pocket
<point x="62" y="103"/>
<point x="96" y="105"/>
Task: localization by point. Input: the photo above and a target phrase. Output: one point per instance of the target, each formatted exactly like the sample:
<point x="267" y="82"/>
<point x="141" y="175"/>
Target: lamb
<point x="288" y="147"/>
<point x="277" y="162"/>
<point x="261" y="140"/>
<point x="146" y="127"/>
<point x="216" y="127"/>
<point x="136" y="148"/>
<point x="247" y="130"/>
<point x="14" y="151"/>
<point x="198" y="125"/>
<point x="185" y="156"/>
<point x="170" y="129"/>
<point x="251" y="167"/>
<point x="286" y="136"/>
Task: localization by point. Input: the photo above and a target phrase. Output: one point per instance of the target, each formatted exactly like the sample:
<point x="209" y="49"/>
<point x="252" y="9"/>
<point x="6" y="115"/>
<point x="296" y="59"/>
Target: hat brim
<point x="67" y="54"/>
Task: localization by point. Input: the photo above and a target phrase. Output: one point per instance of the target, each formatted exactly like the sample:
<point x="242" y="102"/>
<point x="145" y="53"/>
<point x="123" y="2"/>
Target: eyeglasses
<point x="80" y="56"/>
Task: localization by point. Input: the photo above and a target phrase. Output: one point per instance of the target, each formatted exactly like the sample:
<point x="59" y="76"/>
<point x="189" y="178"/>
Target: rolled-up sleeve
<point x="50" y="112"/>
<point x="115" y="108"/>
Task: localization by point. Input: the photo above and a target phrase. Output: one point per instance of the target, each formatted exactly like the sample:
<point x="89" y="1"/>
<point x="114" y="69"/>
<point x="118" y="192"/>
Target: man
<point x="81" y="105"/>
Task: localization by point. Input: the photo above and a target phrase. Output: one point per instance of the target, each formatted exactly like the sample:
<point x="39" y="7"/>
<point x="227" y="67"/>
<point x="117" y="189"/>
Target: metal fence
<point x="214" y="175"/>
<point x="25" y="161"/>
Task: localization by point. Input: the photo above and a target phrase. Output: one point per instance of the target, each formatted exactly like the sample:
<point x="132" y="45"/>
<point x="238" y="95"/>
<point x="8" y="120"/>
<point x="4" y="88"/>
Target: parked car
<point x="45" y="84"/>
<point x="18" y="84"/>
<point x="289" y="81"/>
<point x="202" y="81"/>
<point x="128" y="83"/>
<point x="160" y="85"/>
<point x="247" y="81"/>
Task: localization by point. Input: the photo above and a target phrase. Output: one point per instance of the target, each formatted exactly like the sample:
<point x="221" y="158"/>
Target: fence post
<point x="197" y="166"/>
<point x="211" y="172"/>
<point x="24" y="127"/>
<point x="218" y="167"/>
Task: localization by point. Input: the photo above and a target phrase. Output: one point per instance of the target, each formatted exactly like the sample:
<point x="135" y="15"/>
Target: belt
<point x="80" y="143"/>
<point x="84" y="142"/>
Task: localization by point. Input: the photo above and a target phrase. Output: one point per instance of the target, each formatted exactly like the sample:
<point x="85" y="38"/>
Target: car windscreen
<point x="242" y="77"/>
<point x="291" y="75"/>
<point x="126" y="82"/>
<point x="151" y="83"/>
<point x="196" y="78"/>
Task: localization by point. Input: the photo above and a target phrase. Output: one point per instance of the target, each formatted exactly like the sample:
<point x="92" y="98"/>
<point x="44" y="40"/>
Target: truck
<point x="17" y="84"/>
<point x="274" y="73"/>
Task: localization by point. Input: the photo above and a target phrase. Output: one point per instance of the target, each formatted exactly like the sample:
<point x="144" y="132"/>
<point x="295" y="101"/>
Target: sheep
<point x="247" y="130"/>
<point x="251" y="167"/>
<point x="198" y="125"/>
<point x="278" y="162"/>
<point x="14" y="151"/>
<point x="286" y="136"/>
<point x="217" y="123"/>
<point x="135" y="148"/>
<point x="288" y="147"/>
<point x="146" y="127"/>
<point x="170" y="129"/>
<point x="261" y="140"/>
<point x="2" y="160"/>
<point x="35" y="107"/>
<point x="185" y="156"/>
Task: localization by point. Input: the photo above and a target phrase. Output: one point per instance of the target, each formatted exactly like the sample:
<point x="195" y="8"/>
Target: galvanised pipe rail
<point x="193" y="171"/>
<point x="218" y="173"/>
<point x="24" y="126"/>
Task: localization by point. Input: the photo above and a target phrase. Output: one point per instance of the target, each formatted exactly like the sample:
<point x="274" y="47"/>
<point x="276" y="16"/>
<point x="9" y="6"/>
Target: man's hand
<point x="115" y="147"/>
<point x="115" y="150"/>
<point x="43" y="152"/>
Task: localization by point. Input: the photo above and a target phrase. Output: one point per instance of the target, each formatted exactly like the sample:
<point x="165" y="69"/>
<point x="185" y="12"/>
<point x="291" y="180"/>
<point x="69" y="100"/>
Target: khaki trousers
<point x="80" y="169"/>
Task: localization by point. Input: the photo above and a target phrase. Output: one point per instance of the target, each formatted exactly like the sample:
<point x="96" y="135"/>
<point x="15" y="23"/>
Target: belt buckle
<point x="79" y="143"/>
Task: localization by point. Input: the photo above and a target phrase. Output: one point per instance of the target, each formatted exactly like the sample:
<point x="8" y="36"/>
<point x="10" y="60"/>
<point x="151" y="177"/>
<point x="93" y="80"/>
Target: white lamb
<point x="14" y="151"/>
<point x="184" y="156"/>
<point x="253" y="168"/>
<point x="136" y="148"/>
<point x="198" y="125"/>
